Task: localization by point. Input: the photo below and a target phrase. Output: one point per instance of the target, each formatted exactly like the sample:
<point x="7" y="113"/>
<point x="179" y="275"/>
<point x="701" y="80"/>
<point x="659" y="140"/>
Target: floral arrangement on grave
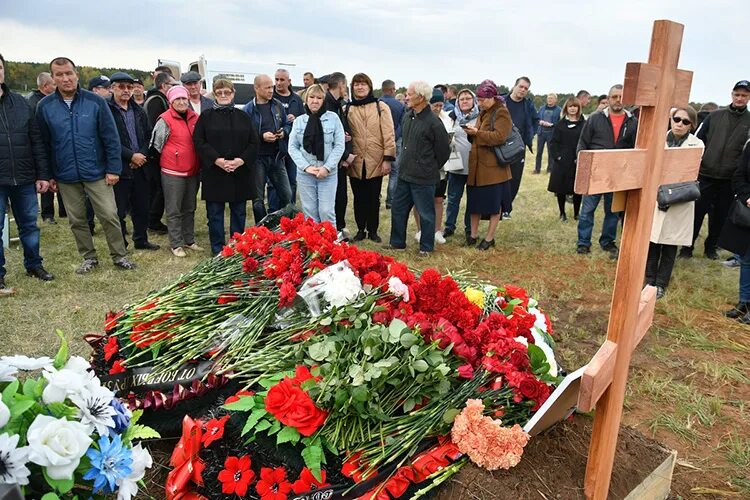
<point x="65" y="436"/>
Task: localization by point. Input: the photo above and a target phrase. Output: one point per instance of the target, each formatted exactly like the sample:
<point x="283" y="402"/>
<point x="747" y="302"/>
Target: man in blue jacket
<point x="397" y="113"/>
<point x="549" y="115"/>
<point x="525" y="118"/>
<point x="23" y="172"/>
<point x="83" y="145"/>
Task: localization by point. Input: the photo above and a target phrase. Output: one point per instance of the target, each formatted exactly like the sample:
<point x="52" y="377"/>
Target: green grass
<point x="687" y="381"/>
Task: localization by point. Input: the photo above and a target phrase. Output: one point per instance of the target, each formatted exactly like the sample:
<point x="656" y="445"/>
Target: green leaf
<point x="288" y="435"/>
<point x="330" y="446"/>
<point x="29" y="387"/>
<point x="245" y="403"/>
<point x="61" y="485"/>
<point x="313" y="456"/>
<point x="9" y="391"/>
<point x="420" y="365"/>
<point x="360" y="394"/>
<point x="21" y="407"/>
<point x="61" y="410"/>
<point x="356" y="373"/>
<point x="408" y="339"/>
<point x="450" y="415"/>
<point x="538" y="359"/>
<point x="394" y="331"/>
<point x="137" y="414"/>
<point x="62" y="354"/>
<point x="50" y="496"/>
<point x="262" y="425"/>
<point x="139" y="431"/>
<point x="276" y="427"/>
<point x="325" y="321"/>
<point x="253" y="419"/>
<point x="409" y="405"/>
<point x="319" y="351"/>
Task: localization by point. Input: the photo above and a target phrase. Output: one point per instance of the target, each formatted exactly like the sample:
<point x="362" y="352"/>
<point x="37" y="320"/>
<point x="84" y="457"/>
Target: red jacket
<point x="178" y="157"/>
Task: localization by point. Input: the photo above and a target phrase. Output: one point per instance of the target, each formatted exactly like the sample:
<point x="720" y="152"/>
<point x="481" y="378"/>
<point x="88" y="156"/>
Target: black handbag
<point x="512" y="149"/>
<point x="679" y="192"/>
<point x="740" y="215"/>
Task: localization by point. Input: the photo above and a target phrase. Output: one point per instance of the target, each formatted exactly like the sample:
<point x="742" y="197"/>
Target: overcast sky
<point x="562" y="46"/>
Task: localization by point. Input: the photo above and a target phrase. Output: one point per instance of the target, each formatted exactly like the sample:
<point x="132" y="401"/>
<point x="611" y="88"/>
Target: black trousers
<point x="48" y="205"/>
<point x="516" y="170"/>
<point x="156" y="203"/>
<point x="660" y="264"/>
<point x="715" y="201"/>
<point x="367" y="203"/>
<point x="342" y="199"/>
<point x="132" y="197"/>
<point x="561" y="198"/>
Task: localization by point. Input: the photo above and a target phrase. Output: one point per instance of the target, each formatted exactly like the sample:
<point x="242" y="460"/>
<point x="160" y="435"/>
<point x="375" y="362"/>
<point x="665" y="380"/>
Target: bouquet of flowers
<point x="64" y="435"/>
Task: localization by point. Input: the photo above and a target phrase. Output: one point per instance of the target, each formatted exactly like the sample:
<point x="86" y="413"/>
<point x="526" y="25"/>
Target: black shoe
<point x="685" y="253"/>
<point x="374" y="237"/>
<point x="387" y="206"/>
<point x="612" y="249"/>
<point x="124" y="263"/>
<point x="394" y="247"/>
<point x="745" y="320"/>
<point x="563" y="218"/>
<point x="87" y="266"/>
<point x="575" y="217"/>
<point x="505" y="215"/>
<point x="448" y="233"/>
<point x="486" y="245"/>
<point x="711" y="254"/>
<point x="158" y="228"/>
<point x="41" y="273"/>
<point x="660" y="292"/>
<point x="50" y="220"/>
<point x="361" y="235"/>
<point x="583" y="249"/>
<point x="470" y="241"/>
<point x="147" y="246"/>
<point x="738" y="311"/>
<point x="92" y="230"/>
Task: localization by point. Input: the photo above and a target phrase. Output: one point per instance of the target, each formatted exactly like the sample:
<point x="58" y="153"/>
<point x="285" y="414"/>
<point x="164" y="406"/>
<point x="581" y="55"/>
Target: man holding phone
<point x="270" y="121"/>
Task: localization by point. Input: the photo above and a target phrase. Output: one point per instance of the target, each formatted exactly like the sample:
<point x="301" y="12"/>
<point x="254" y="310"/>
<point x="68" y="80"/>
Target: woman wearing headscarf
<point x="464" y="114"/>
<point x="172" y="142"/>
<point x="374" y="144"/>
<point x="316" y="144"/>
<point x="562" y="150"/>
<point x="227" y="146"/>
<point x="673" y="226"/>
<point x="489" y="190"/>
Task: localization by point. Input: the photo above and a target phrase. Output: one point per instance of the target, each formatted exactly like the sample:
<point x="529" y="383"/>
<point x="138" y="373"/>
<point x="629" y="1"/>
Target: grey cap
<point x="190" y="77"/>
<point x="121" y="76"/>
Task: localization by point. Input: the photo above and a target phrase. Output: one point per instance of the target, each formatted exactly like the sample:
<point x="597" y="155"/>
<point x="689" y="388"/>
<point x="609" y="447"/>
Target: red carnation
<point x="307" y="482"/>
<point x="466" y="371"/>
<point x="249" y="265"/>
<point x="214" y="430"/>
<point x="117" y="367"/>
<point x="111" y="348"/>
<point x="273" y="484"/>
<point x="236" y="476"/>
<point x="516" y="292"/>
<point x="236" y="397"/>
<point x="227" y="251"/>
<point x="226" y="298"/>
<point x="110" y="320"/>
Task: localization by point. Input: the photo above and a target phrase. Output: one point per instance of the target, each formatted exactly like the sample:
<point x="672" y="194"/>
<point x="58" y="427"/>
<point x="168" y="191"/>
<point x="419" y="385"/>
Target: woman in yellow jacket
<point x="374" y="145"/>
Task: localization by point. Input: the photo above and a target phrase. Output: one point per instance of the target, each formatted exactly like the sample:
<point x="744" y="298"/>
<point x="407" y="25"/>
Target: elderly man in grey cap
<point x="197" y="102"/>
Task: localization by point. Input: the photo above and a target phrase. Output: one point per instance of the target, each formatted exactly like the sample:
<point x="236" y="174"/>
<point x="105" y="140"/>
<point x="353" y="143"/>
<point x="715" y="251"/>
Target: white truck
<point x="240" y="73"/>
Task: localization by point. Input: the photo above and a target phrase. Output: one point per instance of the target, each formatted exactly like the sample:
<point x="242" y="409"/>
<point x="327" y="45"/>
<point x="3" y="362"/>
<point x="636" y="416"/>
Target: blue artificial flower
<point x="121" y="417"/>
<point x="112" y="461"/>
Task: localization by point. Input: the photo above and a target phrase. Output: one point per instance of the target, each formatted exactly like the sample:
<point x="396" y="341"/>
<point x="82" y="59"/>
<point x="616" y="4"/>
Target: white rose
<point x="73" y="378"/>
<point x="58" y="445"/>
<point x="342" y="287"/>
<point x="7" y="373"/>
<point x="4" y="414"/>
<point x="26" y="363"/>
<point x="128" y="487"/>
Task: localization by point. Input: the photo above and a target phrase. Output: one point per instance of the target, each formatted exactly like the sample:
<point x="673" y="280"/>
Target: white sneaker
<point x="418" y="235"/>
<point x="179" y="252"/>
<point x="194" y="246"/>
<point x="439" y="237"/>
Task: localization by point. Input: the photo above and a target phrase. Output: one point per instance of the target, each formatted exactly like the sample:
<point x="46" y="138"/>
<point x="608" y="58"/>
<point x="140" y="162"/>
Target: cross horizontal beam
<point x="613" y="170"/>
<point x="599" y="373"/>
<point x="642" y="85"/>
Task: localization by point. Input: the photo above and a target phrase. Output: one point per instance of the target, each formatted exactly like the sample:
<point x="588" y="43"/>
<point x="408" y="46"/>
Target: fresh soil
<point x="554" y="465"/>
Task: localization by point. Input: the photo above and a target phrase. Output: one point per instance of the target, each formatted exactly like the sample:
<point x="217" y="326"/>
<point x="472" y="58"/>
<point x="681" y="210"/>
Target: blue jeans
<point x="544" y="137"/>
<point x="215" y="216"/>
<point x="24" y="203"/>
<point x="422" y="197"/>
<point x="291" y="172"/>
<point x="393" y="176"/>
<point x="586" y="221"/>
<point x="456" y="186"/>
<point x="745" y="278"/>
<point x="276" y="172"/>
<point x="318" y="197"/>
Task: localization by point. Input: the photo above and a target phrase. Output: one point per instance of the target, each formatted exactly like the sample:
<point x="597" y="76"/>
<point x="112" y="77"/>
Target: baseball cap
<point x="99" y="81"/>
<point x="742" y="84"/>
<point x="324" y="79"/>
<point x="121" y="76"/>
<point x="190" y="77"/>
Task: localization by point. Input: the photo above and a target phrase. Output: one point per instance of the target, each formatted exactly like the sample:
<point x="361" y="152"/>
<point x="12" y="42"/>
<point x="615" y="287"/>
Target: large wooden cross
<point x="635" y="176"/>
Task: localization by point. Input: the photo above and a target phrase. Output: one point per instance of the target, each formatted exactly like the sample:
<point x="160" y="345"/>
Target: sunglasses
<point x="677" y="119"/>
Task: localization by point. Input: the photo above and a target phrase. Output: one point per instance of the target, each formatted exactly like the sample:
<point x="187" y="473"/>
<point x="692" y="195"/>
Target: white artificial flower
<point x="522" y="340"/>
<point x="94" y="408"/>
<point x="4" y="414"/>
<point x="7" y="373"/>
<point x="128" y="486"/>
<point x="541" y="321"/>
<point x="13" y="460"/>
<point x="72" y="379"/>
<point x="26" y="363"/>
<point x="58" y="445"/>
<point x="398" y="288"/>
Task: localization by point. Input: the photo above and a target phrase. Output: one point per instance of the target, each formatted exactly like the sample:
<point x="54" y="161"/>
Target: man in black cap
<point x="139" y="92"/>
<point x="724" y="132"/>
<point x="197" y="102"/>
<point x="99" y="85"/>
<point x="132" y="191"/>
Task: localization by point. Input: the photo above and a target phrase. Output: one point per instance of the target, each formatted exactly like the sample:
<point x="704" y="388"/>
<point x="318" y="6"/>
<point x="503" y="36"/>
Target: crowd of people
<point x="117" y="150"/>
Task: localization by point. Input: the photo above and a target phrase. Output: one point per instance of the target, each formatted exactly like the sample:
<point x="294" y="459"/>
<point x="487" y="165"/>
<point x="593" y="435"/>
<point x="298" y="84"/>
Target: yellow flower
<point x="475" y="297"/>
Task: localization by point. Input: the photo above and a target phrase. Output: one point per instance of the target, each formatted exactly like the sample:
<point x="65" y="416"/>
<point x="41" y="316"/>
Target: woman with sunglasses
<point x="227" y="144"/>
<point x="674" y="226"/>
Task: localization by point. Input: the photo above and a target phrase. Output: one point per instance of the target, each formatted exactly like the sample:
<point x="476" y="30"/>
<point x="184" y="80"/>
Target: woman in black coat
<point x="227" y="145"/>
<point x="562" y="149"/>
<point x="736" y="238"/>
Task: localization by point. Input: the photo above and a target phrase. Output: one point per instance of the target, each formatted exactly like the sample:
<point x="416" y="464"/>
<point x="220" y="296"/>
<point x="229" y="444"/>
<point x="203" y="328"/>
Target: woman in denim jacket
<point x="316" y="144"/>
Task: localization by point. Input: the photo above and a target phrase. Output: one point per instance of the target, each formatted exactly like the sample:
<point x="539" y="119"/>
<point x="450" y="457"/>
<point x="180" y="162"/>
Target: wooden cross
<point x="655" y="86"/>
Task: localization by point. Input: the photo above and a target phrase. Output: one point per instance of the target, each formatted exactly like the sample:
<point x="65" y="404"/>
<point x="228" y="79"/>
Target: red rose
<point x="293" y="407"/>
<point x="466" y="371"/>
